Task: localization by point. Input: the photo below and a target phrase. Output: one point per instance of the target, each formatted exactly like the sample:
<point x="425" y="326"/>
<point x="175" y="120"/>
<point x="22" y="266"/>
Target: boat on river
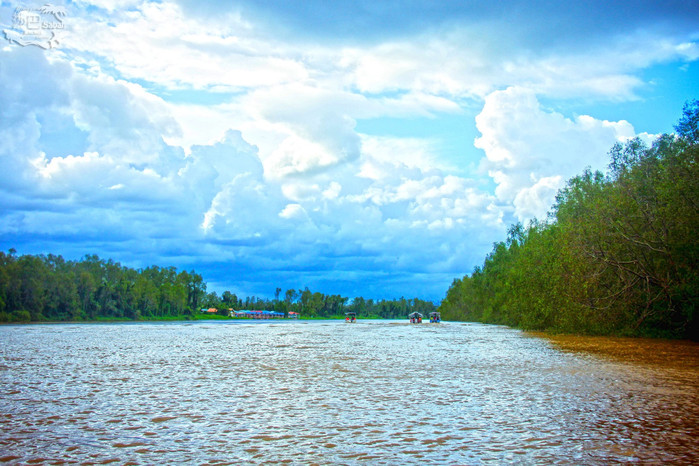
<point x="350" y="317"/>
<point x="415" y="318"/>
<point x="435" y="317"/>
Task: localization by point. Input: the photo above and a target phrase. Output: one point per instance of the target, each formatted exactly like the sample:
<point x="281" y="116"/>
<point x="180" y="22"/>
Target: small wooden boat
<point x="350" y="317"/>
<point x="415" y="318"/>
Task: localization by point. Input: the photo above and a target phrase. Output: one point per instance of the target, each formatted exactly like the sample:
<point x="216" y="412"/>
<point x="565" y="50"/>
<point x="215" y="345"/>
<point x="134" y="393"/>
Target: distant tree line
<point x="319" y="305"/>
<point x="49" y="288"/>
<point x="618" y="254"/>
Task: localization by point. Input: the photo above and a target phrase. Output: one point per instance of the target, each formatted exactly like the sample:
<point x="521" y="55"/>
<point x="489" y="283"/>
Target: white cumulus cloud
<point x="531" y="152"/>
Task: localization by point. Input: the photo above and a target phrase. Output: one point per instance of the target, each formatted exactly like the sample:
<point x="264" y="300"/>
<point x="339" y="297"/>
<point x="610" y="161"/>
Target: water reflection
<point x="332" y="393"/>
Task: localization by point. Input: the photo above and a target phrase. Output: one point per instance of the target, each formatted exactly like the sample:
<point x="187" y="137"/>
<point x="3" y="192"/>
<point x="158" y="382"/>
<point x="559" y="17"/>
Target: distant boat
<point x="415" y="318"/>
<point x="350" y="317"/>
<point x="435" y="317"/>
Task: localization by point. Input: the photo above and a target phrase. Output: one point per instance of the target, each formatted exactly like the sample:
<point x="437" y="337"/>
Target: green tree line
<point x="617" y="255"/>
<point x="318" y="305"/>
<point x="49" y="288"/>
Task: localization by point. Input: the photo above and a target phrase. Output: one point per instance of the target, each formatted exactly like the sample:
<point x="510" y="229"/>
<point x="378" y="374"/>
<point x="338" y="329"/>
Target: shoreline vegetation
<point x="618" y="254"/>
<point x="185" y="318"/>
<point x="48" y="288"/>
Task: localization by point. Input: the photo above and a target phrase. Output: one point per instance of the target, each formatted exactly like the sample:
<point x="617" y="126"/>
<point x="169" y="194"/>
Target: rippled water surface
<point x="374" y="392"/>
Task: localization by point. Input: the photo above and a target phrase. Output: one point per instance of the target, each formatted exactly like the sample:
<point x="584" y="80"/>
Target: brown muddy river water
<point x="327" y="392"/>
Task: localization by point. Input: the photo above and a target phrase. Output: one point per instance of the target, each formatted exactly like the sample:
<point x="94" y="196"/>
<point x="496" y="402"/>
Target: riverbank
<point x="180" y="318"/>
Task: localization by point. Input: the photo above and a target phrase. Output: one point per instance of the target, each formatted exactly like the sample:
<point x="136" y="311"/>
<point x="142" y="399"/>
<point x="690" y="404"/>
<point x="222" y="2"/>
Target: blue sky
<point x="356" y="148"/>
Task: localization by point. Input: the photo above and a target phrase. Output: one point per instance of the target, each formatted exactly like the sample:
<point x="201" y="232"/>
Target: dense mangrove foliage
<point x="618" y="253"/>
<point x="49" y="288"/>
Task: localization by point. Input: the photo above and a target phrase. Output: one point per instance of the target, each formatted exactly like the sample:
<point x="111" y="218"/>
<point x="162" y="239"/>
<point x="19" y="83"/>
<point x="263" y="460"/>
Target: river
<point x="328" y="392"/>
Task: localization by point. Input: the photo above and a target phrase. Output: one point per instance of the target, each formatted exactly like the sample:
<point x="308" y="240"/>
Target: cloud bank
<point x="159" y="135"/>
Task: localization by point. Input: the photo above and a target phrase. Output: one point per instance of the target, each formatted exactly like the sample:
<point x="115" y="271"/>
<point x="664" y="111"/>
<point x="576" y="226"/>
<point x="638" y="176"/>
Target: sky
<point x="361" y="148"/>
